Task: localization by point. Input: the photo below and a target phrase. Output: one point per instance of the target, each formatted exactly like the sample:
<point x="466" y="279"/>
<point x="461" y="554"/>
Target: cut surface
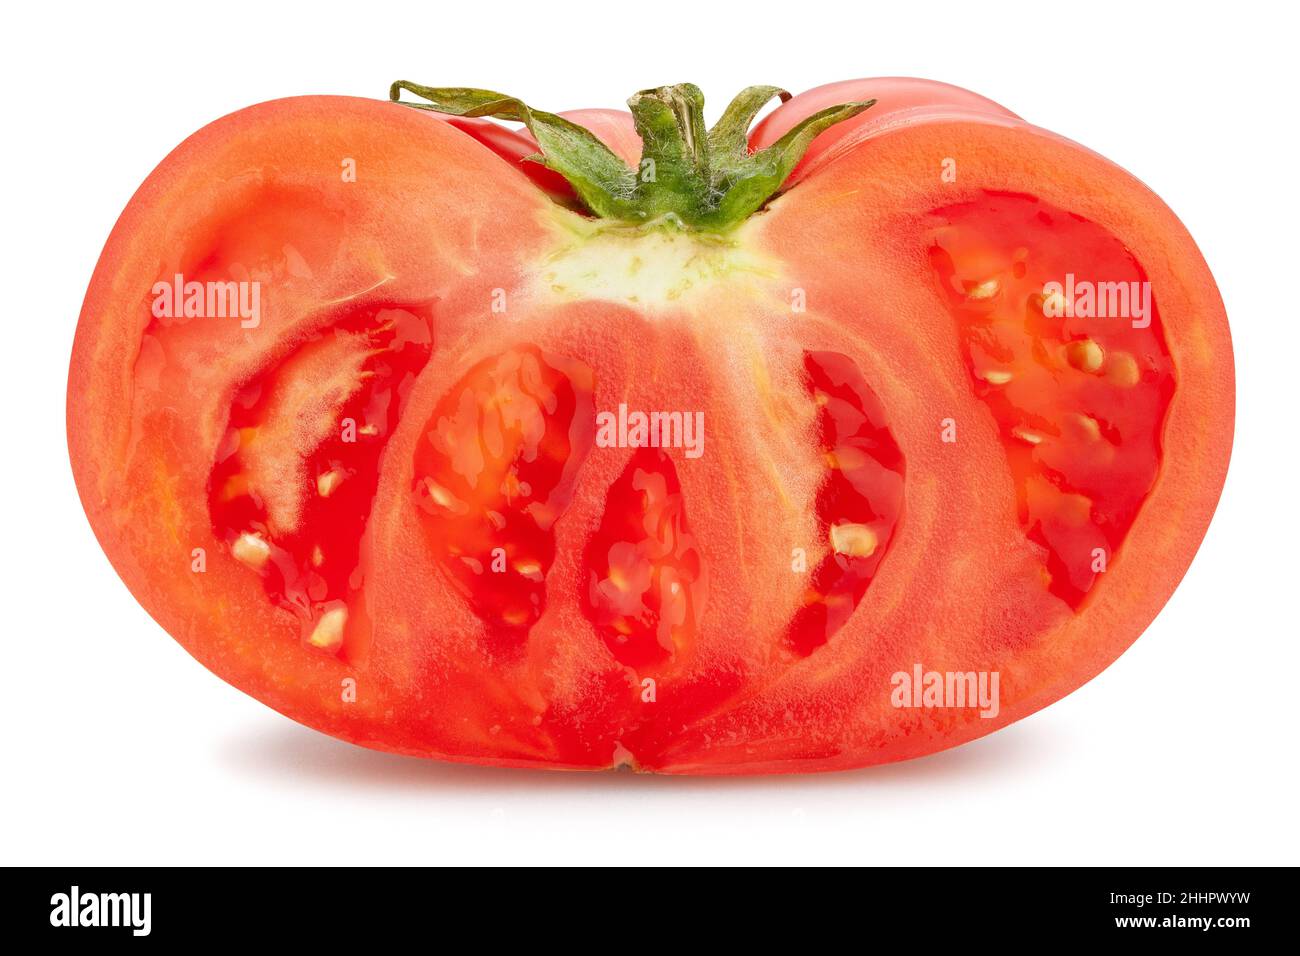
<point x="469" y="575"/>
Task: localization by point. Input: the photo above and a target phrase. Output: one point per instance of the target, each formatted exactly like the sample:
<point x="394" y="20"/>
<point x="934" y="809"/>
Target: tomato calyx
<point x="707" y="180"/>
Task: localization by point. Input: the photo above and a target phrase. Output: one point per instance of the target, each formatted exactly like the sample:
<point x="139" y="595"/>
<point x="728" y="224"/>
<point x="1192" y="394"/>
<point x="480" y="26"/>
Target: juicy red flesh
<point x="493" y="472"/>
<point x="1080" y="401"/>
<point x="862" y="496"/>
<point x="312" y="559"/>
<point x="646" y="577"/>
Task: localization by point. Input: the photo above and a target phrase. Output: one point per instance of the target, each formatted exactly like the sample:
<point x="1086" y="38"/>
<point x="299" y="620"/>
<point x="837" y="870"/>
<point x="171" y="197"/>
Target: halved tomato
<point x="837" y="442"/>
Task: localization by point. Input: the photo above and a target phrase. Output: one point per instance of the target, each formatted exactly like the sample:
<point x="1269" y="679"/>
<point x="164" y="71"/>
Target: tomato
<point x="833" y="442"/>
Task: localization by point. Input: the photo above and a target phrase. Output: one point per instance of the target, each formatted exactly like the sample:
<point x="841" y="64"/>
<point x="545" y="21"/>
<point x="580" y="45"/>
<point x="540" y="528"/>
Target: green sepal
<point x="744" y="187"/>
<point x="601" y="180"/>
<point x="704" y="179"/>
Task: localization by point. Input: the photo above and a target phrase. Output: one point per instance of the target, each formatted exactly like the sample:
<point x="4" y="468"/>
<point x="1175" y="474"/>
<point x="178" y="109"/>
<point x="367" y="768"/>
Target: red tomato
<point x="707" y="460"/>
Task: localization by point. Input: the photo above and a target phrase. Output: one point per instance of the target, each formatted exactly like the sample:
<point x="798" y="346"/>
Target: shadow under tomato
<point x="282" y="750"/>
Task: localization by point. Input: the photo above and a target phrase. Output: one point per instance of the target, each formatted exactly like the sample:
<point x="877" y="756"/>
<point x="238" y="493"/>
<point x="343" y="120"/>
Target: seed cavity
<point x="646" y="581"/>
<point x="1082" y="418"/>
<point x="858" y="503"/>
<point x="289" y="493"/>
<point x="494" y="471"/>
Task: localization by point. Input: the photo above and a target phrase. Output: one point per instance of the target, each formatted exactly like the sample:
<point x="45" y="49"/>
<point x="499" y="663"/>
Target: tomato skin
<point x="148" y="406"/>
<point x="899" y="100"/>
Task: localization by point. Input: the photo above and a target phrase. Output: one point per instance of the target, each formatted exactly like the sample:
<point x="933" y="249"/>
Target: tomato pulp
<point x="837" y="441"/>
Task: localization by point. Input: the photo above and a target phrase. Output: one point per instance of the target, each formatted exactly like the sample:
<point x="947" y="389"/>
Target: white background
<point x="118" y="748"/>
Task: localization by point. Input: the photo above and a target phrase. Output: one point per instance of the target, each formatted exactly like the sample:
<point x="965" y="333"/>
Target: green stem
<point x="708" y="180"/>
